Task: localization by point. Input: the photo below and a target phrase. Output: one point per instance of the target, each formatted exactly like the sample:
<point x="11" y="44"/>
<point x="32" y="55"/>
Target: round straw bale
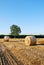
<point x="30" y="40"/>
<point x="6" y="38"/>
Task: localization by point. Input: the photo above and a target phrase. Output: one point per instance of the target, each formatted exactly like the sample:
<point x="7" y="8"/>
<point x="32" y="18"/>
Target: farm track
<point x="7" y="58"/>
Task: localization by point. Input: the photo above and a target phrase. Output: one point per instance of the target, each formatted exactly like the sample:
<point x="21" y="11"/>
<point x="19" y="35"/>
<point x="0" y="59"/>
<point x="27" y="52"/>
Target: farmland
<point x="15" y="52"/>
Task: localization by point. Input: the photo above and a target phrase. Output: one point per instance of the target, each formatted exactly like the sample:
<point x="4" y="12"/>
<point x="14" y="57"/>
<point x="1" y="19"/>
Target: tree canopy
<point x="15" y="30"/>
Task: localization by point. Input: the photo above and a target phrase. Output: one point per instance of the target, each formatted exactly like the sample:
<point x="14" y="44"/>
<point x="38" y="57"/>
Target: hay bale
<point x="6" y="38"/>
<point x="30" y="40"/>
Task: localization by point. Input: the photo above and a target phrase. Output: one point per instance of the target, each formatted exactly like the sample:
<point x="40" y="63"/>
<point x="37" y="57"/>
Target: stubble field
<point x="15" y="52"/>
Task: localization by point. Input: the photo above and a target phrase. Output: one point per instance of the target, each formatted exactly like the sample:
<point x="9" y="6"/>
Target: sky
<point x="27" y="14"/>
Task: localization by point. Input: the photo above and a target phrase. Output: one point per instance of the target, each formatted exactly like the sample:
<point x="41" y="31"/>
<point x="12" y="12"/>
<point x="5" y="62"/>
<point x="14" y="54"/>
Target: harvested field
<point x="7" y="57"/>
<point x="15" y="52"/>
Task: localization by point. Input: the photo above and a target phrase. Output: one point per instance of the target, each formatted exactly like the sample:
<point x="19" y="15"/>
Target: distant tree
<point x="15" y="30"/>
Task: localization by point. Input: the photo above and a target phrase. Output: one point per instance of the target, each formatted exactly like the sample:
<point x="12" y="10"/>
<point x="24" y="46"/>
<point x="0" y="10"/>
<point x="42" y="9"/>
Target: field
<point x="15" y="52"/>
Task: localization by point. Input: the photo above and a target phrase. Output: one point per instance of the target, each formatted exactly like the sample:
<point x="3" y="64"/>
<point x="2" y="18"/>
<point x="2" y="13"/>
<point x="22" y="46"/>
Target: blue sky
<point x="28" y="14"/>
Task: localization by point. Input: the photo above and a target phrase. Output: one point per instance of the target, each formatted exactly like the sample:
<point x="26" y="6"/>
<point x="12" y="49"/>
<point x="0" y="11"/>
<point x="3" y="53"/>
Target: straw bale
<point x="30" y="40"/>
<point x="6" y="38"/>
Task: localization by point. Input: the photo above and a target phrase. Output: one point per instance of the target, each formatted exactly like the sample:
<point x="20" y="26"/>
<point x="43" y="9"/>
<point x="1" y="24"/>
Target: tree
<point x="15" y="30"/>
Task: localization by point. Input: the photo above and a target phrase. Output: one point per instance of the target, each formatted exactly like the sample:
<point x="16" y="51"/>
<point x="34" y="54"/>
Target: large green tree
<point x="15" y="30"/>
